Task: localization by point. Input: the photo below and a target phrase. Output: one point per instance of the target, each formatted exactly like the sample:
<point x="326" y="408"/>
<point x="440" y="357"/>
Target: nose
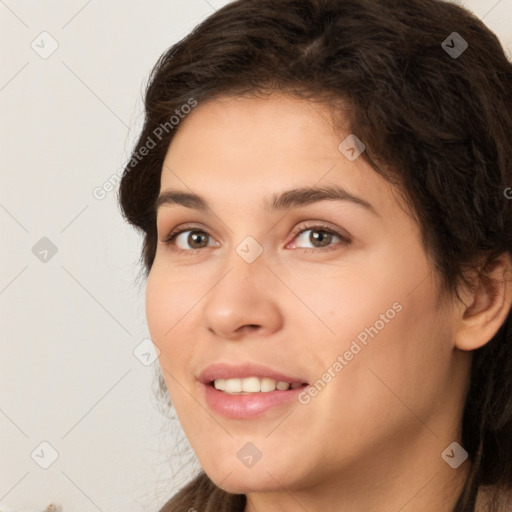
<point x="243" y="301"/>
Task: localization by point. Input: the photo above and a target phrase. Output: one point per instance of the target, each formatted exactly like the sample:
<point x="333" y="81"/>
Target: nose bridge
<point x="243" y="270"/>
<point x="240" y="297"/>
<point x="249" y="250"/>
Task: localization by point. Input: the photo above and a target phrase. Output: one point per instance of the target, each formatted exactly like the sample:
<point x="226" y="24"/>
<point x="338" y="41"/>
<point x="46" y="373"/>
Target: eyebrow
<point x="293" y="198"/>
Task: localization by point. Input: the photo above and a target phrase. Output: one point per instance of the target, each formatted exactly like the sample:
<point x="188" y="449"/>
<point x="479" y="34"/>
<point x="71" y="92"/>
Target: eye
<point x="192" y="240"/>
<point x="319" y="237"/>
<point x="196" y="239"/>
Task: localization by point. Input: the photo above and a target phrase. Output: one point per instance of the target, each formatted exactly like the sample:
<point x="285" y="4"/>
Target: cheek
<point x="394" y="367"/>
<point x="168" y="302"/>
<point x="171" y="295"/>
<point x="382" y="314"/>
<point x="159" y="309"/>
<point x="352" y="294"/>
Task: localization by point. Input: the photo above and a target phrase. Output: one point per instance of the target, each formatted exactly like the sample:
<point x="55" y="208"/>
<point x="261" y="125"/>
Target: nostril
<point x="250" y="327"/>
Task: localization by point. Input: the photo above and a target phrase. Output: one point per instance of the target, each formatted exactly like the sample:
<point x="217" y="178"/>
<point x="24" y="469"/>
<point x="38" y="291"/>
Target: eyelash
<point x="316" y="227"/>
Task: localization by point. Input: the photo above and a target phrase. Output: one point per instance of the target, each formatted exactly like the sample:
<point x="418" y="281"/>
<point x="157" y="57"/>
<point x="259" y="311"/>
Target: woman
<point x="322" y="189"/>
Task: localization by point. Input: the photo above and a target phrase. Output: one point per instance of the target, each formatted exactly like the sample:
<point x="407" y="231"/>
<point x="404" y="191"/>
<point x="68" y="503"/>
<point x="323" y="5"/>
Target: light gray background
<point x="69" y="326"/>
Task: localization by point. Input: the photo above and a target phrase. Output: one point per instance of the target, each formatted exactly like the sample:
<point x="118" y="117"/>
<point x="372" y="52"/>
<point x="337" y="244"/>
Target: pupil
<point x="194" y="237"/>
<point x="322" y="237"/>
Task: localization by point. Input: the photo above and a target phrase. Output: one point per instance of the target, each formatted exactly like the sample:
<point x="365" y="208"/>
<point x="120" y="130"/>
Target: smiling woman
<point x="329" y="222"/>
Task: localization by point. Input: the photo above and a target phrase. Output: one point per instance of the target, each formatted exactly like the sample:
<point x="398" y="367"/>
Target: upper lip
<point x="240" y="371"/>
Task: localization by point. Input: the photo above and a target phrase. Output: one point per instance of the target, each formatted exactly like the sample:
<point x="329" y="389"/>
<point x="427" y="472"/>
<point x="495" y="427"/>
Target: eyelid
<point x="321" y="226"/>
<point x="181" y="228"/>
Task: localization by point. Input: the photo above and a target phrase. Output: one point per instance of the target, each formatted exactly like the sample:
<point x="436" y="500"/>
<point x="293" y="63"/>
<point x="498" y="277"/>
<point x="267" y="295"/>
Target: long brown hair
<point x="437" y="124"/>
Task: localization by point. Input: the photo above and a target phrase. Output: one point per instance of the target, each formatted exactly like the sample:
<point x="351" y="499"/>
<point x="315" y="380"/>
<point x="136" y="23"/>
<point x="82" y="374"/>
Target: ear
<point x="485" y="309"/>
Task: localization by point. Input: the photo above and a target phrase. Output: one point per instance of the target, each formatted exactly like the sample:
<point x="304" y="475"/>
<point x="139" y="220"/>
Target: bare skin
<point x="371" y="440"/>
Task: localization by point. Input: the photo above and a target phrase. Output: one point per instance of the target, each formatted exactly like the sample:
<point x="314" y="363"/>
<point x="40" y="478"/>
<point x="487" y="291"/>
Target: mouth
<point x="248" y="390"/>
<point x="246" y="377"/>
<point x="252" y="385"/>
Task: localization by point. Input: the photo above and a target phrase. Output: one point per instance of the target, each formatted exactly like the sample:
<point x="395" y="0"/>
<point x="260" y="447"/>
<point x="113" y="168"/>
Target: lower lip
<point x="247" y="406"/>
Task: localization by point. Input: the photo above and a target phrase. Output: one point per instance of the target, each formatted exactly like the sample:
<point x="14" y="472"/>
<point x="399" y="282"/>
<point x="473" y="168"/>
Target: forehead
<point x="264" y="145"/>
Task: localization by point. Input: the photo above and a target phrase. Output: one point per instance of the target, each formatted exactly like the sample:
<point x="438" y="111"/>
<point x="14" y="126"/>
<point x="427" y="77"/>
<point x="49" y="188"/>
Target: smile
<point x="253" y="385"/>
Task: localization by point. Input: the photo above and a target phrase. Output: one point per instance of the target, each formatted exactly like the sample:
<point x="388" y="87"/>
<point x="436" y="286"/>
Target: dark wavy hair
<point x="438" y="126"/>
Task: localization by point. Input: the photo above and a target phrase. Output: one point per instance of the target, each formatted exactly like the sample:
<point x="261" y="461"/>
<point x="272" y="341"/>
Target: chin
<point x="249" y="483"/>
<point x="261" y="477"/>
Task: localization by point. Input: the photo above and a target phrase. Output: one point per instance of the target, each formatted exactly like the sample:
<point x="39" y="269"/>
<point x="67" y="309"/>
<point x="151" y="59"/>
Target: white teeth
<point x="220" y="384"/>
<point x="253" y="385"/>
<point x="282" y="386"/>
<point x="233" y="385"/>
<point x="268" y="384"/>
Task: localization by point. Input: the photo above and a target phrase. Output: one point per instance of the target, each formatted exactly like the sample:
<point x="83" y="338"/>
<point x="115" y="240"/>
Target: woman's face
<point x="334" y="294"/>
